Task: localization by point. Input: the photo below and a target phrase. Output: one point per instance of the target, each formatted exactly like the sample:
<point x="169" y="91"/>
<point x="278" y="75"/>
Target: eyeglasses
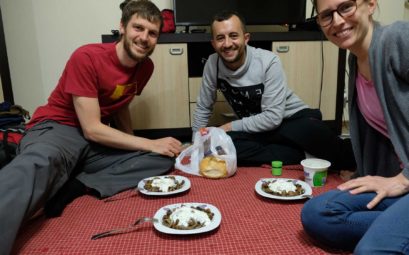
<point x="346" y="9"/>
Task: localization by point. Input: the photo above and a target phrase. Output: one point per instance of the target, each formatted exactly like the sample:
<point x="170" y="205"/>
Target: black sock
<point x="72" y="189"/>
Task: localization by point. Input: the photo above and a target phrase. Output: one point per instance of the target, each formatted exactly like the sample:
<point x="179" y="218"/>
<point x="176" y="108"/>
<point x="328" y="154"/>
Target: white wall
<point x="388" y="12"/>
<point x="164" y="4"/>
<point x="42" y="34"/>
<point x="406" y="16"/>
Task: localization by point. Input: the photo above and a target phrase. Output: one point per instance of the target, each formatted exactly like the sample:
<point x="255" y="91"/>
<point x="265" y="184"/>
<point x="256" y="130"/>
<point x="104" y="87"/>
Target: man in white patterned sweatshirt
<point x="272" y="122"/>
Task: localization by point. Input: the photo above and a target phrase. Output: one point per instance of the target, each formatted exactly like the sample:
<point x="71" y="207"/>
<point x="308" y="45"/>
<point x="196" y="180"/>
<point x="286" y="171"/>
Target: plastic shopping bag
<point x="211" y="155"/>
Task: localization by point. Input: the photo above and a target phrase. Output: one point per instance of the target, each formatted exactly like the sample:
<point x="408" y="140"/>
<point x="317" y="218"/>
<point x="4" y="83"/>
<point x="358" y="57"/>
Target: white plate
<point x="217" y="218"/>
<point x="304" y="185"/>
<point x="178" y="178"/>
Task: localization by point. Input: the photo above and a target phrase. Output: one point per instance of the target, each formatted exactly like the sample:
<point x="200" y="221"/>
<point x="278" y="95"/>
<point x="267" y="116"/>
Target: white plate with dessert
<point x="163" y="185"/>
<point x="283" y="188"/>
<point x="187" y="218"/>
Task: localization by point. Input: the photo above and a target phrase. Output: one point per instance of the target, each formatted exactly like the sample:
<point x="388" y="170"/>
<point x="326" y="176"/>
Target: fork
<point x="123" y="230"/>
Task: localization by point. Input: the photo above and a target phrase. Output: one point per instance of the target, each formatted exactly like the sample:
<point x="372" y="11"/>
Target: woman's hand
<point x="382" y="186"/>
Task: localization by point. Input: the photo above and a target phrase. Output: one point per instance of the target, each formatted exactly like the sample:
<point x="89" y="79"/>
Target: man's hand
<point x="226" y="127"/>
<point x="88" y="112"/>
<point x="384" y="187"/>
<point x="167" y="146"/>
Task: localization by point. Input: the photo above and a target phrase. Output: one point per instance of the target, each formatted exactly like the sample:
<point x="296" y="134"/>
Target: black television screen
<point x="255" y="12"/>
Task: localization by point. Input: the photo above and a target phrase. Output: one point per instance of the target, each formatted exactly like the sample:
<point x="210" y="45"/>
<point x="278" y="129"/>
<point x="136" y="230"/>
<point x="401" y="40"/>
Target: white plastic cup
<point x="315" y="171"/>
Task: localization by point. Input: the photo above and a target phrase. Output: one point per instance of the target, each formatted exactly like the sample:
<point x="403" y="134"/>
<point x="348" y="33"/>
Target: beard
<point x="234" y="60"/>
<point x="133" y="55"/>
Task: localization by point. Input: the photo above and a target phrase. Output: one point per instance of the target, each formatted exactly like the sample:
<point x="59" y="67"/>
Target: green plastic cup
<point x="276" y="168"/>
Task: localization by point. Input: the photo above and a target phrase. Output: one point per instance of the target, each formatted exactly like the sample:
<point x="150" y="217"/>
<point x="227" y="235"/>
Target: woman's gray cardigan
<point x="389" y="62"/>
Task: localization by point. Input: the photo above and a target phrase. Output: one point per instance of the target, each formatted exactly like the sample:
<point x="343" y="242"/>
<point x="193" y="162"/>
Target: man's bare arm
<point x="88" y="112"/>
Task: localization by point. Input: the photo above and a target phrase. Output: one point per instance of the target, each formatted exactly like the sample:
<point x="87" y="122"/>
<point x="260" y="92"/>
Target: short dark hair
<point x="143" y="8"/>
<point x="225" y="15"/>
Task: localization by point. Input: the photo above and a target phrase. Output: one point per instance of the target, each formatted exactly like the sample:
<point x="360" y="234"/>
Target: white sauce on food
<point x="184" y="214"/>
<point x="163" y="183"/>
<point x="282" y="185"/>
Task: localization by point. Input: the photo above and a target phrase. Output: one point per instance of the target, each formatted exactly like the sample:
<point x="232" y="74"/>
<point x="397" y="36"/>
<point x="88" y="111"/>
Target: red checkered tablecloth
<point x="250" y="224"/>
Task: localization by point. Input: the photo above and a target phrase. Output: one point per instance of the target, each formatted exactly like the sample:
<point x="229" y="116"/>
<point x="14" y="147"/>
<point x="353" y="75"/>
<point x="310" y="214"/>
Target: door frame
<point x="4" y="66"/>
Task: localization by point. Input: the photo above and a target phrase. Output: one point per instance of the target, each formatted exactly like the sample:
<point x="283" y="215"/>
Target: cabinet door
<point x="164" y="102"/>
<point x="194" y="90"/>
<point x="222" y="112"/>
<point x="311" y="69"/>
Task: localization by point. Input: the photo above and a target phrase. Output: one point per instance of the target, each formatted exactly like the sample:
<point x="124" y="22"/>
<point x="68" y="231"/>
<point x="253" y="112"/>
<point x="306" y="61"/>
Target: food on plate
<point x="187" y="217"/>
<point x="212" y="167"/>
<point x="163" y="184"/>
<point x="280" y="187"/>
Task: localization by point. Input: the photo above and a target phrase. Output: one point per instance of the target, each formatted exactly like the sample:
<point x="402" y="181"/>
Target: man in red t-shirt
<point x="69" y="146"/>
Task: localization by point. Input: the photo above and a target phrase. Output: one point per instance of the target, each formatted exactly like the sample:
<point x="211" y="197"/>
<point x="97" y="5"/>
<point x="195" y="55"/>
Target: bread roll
<point x="212" y="167"/>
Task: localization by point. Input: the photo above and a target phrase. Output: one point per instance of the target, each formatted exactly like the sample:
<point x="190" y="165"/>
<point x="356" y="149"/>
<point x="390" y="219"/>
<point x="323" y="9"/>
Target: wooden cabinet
<point x="164" y="102"/>
<point x="314" y="69"/>
<point x="311" y="68"/>
<point x="222" y="111"/>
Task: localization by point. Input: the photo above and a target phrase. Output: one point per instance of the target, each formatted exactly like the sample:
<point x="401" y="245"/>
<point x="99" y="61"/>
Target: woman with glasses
<point x="370" y="213"/>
